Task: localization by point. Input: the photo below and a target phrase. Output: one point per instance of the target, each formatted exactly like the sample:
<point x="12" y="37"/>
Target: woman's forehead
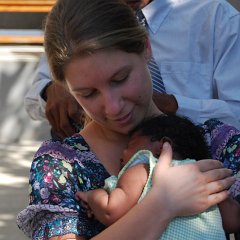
<point x="104" y="63"/>
<point x="99" y="59"/>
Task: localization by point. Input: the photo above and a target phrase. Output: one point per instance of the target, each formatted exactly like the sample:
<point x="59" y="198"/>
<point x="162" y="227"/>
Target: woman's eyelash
<point x="120" y="80"/>
<point x="86" y="95"/>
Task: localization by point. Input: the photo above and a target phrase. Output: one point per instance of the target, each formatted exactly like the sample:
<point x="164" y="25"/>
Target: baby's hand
<point x="83" y="198"/>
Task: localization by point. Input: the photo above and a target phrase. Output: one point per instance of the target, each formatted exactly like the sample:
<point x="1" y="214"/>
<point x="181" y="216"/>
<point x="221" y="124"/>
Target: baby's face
<point x="138" y="142"/>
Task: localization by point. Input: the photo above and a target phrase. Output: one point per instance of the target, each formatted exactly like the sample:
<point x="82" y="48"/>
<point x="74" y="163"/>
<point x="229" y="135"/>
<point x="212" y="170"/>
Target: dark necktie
<point x="158" y="84"/>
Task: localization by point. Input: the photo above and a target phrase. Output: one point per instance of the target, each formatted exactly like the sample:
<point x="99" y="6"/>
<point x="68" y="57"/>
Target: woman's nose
<point x="112" y="104"/>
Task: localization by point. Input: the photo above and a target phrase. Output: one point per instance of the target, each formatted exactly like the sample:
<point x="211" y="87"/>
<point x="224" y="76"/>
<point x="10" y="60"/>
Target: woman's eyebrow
<point x="77" y="89"/>
<point x="122" y="70"/>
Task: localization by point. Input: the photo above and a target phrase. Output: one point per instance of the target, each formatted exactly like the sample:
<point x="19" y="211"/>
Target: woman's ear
<point x="148" y="49"/>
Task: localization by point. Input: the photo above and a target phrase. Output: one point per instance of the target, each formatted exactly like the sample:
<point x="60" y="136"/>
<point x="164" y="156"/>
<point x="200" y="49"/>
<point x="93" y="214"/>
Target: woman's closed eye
<point x="121" y="76"/>
<point x="87" y="93"/>
<point x="119" y="80"/>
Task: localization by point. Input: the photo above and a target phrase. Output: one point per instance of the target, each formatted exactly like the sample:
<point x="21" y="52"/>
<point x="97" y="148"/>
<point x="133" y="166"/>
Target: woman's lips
<point x="124" y="120"/>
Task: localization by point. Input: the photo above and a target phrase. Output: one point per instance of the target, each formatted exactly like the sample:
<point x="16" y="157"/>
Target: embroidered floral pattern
<point x="225" y="146"/>
<point x="58" y="171"/>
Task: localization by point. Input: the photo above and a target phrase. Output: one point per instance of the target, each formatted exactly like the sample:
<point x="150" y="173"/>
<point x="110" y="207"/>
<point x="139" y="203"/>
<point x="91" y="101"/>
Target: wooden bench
<point x="26" y="5"/>
<point x="27" y="36"/>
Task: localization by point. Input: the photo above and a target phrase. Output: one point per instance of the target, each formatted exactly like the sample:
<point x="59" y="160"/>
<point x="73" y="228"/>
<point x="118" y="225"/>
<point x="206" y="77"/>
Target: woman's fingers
<point x="165" y="157"/>
<point x="216" y="198"/>
<point x="220" y="185"/>
<point x="217" y="174"/>
<point x="208" y="164"/>
<point x="164" y="162"/>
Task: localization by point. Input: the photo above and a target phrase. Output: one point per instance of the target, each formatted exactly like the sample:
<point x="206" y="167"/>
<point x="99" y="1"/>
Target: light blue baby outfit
<point x="204" y="226"/>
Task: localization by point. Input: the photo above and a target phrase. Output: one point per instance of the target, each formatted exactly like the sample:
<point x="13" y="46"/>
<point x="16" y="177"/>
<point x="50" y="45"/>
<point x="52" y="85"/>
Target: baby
<point x="134" y="180"/>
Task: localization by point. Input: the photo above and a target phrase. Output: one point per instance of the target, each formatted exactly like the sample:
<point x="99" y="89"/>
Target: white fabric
<point x="196" y="45"/>
<point x="34" y="104"/>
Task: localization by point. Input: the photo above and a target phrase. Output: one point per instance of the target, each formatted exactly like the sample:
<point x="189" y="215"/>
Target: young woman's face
<point x="113" y="87"/>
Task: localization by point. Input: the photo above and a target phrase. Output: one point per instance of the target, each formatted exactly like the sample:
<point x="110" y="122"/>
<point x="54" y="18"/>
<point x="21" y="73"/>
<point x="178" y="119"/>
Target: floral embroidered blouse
<point x="60" y="169"/>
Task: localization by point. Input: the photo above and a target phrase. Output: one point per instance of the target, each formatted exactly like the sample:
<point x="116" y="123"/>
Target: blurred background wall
<point x="18" y="68"/>
<point x="21" y="24"/>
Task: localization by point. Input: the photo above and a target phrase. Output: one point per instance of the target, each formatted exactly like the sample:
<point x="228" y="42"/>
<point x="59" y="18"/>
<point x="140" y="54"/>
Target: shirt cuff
<point x="43" y="91"/>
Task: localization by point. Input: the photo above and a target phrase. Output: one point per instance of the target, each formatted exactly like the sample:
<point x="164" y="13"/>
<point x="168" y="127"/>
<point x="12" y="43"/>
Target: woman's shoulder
<point x="70" y="149"/>
<point x="219" y="129"/>
<point x="223" y="139"/>
<point x="71" y="153"/>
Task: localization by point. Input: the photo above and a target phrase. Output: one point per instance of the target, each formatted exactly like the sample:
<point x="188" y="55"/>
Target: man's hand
<point x="166" y="103"/>
<point x="62" y="110"/>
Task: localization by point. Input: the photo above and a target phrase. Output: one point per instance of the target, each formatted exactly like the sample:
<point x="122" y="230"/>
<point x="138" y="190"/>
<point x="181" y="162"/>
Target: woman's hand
<point x="191" y="188"/>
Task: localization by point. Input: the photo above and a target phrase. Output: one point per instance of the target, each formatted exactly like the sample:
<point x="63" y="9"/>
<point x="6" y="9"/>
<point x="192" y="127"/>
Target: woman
<point x="98" y="51"/>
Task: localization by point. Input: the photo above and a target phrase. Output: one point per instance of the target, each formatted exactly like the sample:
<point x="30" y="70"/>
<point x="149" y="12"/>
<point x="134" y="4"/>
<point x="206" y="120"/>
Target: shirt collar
<point x="155" y="13"/>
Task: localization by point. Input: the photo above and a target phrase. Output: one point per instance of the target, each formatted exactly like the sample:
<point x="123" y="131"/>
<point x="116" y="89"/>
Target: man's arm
<point x="33" y="102"/>
<point x="215" y="93"/>
<point x="198" y="110"/>
<point x="48" y="100"/>
<point x="225" y="103"/>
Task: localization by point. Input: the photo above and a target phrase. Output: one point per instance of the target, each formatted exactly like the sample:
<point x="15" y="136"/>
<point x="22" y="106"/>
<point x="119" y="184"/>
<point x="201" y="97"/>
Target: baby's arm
<point x="230" y="212"/>
<point x="108" y="208"/>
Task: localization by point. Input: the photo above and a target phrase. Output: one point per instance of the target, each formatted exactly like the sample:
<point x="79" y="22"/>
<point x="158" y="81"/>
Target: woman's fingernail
<point x="167" y="139"/>
<point x="166" y="145"/>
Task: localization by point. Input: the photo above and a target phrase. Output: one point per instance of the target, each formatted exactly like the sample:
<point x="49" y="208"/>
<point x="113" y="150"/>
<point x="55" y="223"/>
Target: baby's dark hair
<point x="187" y="139"/>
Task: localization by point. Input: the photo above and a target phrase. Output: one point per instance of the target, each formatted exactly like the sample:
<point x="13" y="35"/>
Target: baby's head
<point x="187" y="139"/>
